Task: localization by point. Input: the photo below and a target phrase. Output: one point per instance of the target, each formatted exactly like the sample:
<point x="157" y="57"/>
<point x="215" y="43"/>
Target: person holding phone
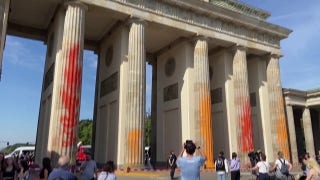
<point x="190" y="165"/>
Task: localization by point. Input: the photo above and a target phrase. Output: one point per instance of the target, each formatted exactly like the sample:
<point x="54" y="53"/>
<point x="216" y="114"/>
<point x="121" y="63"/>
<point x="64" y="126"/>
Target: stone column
<point x="308" y="133"/>
<point x="136" y="95"/>
<point x="4" y="13"/>
<point x="67" y="85"/>
<point x="242" y="103"/>
<point x="292" y="135"/>
<point x="276" y="106"/>
<point x="203" y="100"/>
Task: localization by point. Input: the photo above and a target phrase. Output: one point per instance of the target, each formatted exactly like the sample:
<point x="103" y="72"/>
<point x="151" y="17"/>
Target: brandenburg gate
<point x="215" y="75"/>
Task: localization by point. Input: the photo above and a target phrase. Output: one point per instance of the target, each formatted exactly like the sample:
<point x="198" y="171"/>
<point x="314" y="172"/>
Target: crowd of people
<point x="10" y="170"/>
<point x="190" y="165"/>
<point x="187" y="161"/>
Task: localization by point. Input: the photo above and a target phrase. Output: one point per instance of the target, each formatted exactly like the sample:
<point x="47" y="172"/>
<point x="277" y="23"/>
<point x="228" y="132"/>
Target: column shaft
<point x="308" y="133"/>
<point x="242" y="103"/>
<point x="203" y="100"/>
<point x="67" y="85"/>
<point x="292" y="135"/>
<point x="4" y="13"/>
<point x="136" y="95"/>
<point x="276" y="105"/>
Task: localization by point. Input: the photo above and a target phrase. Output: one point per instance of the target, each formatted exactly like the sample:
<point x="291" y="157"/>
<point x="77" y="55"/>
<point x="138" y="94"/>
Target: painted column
<point x="264" y="108"/>
<point x="242" y="102"/>
<point x="203" y="100"/>
<point x="4" y="13"/>
<point x="276" y="106"/>
<point x="308" y="133"/>
<point x="67" y="85"/>
<point x="136" y="95"/>
<point x="292" y="135"/>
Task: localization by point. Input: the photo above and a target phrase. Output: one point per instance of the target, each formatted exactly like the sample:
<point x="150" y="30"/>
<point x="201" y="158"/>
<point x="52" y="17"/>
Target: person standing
<point x="282" y="167"/>
<point x="314" y="173"/>
<point x="62" y="173"/>
<point x="263" y="168"/>
<point x="172" y="163"/>
<point x="88" y="168"/>
<point x="221" y="165"/>
<point x="23" y="172"/>
<point x="9" y="170"/>
<point x="235" y="167"/>
<point x="190" y="165"/>
<point x="107" y="172"/>
<point x="46" y="168"/>
<point x="2" y="164"/>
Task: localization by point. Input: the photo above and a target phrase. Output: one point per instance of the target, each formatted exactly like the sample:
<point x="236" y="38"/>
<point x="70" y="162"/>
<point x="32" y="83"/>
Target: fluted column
<point x="4" y="13"/>
<point x="203" y="100"/>
<point x="308" y="133"/>
<point x="242" y="102"/>
<point x="292" y="135"/>
<point x="276" y="106"/>
<point x="136" y="94"/>
<point x="67" y="85"/>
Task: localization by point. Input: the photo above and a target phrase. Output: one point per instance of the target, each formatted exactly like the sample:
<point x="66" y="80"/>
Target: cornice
<point x="212" y="17"/>
<point x="242" y="8"/>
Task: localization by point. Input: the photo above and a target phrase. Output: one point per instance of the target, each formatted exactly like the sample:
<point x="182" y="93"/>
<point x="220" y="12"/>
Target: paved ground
<point x="165" y="175"/>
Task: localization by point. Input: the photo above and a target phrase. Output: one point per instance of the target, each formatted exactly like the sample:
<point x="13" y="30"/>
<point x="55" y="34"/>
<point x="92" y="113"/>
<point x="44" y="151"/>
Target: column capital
<point x="201" y="37"/>
<point x="137" y="20"/>
<point x="75" y="3"/>
<point x="236" y="47"/>
<point x="274" y="55"/>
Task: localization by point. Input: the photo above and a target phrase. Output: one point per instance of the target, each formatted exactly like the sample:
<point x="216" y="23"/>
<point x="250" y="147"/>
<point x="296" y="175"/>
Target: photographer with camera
<point x="190" y="165"/>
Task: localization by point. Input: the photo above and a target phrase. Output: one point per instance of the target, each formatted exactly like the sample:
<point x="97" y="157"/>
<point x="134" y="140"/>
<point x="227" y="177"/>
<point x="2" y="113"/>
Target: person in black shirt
<point x="9" y="171"/>
<point x="46" y="168"/>
<point x="172" y="163"/>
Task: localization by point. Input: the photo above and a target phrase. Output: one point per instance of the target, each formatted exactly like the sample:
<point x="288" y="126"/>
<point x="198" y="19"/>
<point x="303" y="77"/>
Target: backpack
<point x="284" y="168"/>
<point x="220" y="163"/>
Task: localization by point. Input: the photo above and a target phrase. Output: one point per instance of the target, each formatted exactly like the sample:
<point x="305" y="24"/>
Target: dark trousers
<point x="172" y="169"/>
<point x="235" y="175"/>
<point x="263" y="176"/>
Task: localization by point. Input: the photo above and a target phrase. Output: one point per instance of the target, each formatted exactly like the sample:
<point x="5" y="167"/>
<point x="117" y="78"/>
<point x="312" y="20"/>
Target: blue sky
<point x="23" y="64"/>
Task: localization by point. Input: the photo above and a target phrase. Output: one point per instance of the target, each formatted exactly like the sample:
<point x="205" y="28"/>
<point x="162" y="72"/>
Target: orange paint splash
<point x="134" y="146"/>
<point x="206" y="129"/>
<point x="281" y="128"/>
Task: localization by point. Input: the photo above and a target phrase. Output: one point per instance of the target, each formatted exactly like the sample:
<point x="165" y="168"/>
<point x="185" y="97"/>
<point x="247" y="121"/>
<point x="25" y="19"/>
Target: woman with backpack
<point x="282" y="167"/>
<point x="221" y="165"/>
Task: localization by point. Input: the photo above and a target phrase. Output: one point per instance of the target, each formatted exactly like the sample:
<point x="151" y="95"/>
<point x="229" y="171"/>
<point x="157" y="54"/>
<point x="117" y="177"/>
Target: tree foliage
<point x="147" y="130"/>
<point x="85" y="131"/>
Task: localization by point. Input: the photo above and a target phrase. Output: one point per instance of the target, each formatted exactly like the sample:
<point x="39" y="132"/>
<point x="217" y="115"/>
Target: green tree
<point x="85" y="131"/>
<point x="147" y="130"/>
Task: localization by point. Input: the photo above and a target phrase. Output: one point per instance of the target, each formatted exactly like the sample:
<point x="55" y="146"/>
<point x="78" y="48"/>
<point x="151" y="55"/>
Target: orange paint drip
<point x="281" y="127"/>
<point x="206" y="129"/>
<point x="134" y="147"/>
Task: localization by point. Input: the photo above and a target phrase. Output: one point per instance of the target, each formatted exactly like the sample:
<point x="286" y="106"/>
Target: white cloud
<point x="18" y="53"/>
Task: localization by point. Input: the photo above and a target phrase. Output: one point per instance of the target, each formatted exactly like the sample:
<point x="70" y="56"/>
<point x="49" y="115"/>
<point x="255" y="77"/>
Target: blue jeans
<point x="222" y="176"/>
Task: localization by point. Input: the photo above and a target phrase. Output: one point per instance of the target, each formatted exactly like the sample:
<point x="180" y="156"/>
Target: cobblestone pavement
<point x="165" y="175"/>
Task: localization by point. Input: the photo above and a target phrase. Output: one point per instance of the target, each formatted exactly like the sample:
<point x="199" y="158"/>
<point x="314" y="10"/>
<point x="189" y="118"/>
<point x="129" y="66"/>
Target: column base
<point x="209" y="165"/>
<point x="133" y="167"/>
